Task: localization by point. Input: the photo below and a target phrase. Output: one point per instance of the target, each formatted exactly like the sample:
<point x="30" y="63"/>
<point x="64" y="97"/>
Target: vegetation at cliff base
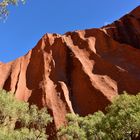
<point x="121" y="122"/>
<point x="19" y="121"/>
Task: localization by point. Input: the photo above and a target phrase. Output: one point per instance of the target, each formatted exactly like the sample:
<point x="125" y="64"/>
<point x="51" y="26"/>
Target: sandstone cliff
<point x="79" y="71"/>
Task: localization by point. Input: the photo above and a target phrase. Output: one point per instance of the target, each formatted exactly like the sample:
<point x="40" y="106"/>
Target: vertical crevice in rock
<point x="7" y="84"/>
<point x="18" y="76"/>
<point x="69" y="69"/>
<point x="34" y="77"/>
<point x="64" y="95"/>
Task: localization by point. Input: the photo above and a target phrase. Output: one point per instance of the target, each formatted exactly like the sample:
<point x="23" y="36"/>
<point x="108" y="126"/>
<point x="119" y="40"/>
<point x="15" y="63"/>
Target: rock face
<point x="79" y="71"/>
<point x="127" y="29"/>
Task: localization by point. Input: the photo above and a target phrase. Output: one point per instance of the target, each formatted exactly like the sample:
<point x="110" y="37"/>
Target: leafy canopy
<point x="19" y="121"/>
<point x="121" y="122"/>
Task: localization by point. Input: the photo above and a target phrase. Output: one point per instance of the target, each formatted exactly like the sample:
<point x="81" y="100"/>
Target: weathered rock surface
<point x="127" y="29"/>
<point x="79" y="71"/>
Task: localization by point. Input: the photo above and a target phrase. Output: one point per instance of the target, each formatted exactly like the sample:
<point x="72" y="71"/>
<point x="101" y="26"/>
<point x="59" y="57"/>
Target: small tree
<point x="121" y="122"/>
<point x="19" y="121"/>
<point x="81" y="128"/>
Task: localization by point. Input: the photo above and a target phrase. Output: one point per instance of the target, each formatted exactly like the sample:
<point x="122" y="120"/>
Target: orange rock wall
<point x="79" y="71"/>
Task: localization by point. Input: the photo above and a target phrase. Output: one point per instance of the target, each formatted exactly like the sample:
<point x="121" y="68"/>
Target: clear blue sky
<point x="26" y="24"/>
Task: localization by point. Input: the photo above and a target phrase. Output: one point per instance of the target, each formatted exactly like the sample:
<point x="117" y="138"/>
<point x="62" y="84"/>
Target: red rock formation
<point x="127" y="29"/>
<point x="80" y="71"/>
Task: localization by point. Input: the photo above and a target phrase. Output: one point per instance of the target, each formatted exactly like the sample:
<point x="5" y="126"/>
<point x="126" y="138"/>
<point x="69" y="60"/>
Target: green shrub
<point x="19" y="121"/>
<point x="121" y="122"/>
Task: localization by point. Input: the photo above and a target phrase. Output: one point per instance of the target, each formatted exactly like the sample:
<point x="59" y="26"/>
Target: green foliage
<point x="18" y="121"/>
<point x="4" y="6"/>
<point x="81" y="128"/>
<point x="121" y="122"/>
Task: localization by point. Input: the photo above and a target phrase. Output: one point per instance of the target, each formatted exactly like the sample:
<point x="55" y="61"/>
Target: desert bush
<point x="120" y="122"/>
<point x="19" y="121"/>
